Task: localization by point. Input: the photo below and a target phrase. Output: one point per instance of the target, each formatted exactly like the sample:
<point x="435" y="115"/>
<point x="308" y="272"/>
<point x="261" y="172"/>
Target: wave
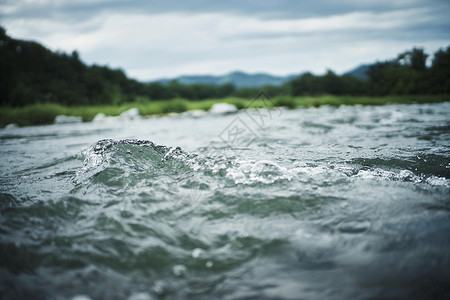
<point x="125" y="162"/>
<point x="140" y="167"/>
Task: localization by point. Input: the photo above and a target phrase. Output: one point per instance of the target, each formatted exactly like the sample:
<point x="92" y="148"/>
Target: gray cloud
<point x="262" y="8"/>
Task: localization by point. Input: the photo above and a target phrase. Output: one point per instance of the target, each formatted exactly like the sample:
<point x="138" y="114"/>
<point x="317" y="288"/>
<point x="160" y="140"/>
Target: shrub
<point x="176" y="105"/>
<point x="286" y="101"/>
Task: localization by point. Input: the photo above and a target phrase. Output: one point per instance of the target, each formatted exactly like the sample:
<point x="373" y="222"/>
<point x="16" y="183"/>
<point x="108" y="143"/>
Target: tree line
<point x="30" y="73"/>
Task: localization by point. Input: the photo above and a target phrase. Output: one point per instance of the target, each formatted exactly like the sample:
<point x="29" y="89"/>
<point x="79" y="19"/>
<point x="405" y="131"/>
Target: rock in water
<point x="11" y="126"/>
<point x="222" y="108"/>
<point x="132" y="113"/>
<point x="100" y="117"/>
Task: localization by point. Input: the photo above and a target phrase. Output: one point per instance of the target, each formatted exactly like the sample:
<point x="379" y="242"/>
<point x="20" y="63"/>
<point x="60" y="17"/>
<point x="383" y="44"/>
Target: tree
<point x="332" y="84"/>
<point x="416" y="59"/>
<point x="441" y="59"/>
<point x="440" y="72"/>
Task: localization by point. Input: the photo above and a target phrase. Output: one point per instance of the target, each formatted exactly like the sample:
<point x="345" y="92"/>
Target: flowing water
<point x="320" y="203"/>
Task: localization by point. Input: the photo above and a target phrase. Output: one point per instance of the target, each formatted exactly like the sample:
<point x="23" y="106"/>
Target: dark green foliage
<point x="288" y="102"/>
<point x="440" y="72"/>
<point x="246" y="92"/>
<point x="238" y="102"/>
<point x="176" y="105"/>
<point x="33" y="74"/>
<point x="415" y="59"/>
<point x="408" y="74"/>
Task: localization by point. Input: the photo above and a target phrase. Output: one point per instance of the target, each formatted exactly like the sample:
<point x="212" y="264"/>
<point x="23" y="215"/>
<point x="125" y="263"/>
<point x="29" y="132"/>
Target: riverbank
<point x="45" y="113"/>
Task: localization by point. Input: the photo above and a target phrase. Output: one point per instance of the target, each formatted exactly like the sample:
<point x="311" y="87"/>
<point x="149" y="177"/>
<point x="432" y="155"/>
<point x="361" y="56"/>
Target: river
<point x="349" y="202"/>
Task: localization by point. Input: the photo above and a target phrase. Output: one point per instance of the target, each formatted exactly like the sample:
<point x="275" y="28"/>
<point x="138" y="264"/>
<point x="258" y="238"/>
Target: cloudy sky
<point x="155" y="39"/>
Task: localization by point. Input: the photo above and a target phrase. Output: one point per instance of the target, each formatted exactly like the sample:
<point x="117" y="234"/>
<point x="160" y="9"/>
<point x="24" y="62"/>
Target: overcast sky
<point x="156" y="39"/>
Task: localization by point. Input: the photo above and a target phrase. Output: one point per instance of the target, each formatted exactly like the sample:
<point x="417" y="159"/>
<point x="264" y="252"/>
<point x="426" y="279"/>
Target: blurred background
<point x="57" y="55"/>
<point x="151" y="40"/>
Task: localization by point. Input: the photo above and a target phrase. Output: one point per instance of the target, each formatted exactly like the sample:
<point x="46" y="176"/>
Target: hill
<point x="360" y="71"/>
<point x="238" y="79"/>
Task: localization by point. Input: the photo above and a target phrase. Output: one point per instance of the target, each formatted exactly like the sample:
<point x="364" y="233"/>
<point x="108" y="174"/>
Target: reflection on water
<point x="322" y="203"/>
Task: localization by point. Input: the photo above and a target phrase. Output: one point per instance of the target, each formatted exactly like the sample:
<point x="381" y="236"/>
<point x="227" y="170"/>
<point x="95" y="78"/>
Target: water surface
<point x="321" y="203"/>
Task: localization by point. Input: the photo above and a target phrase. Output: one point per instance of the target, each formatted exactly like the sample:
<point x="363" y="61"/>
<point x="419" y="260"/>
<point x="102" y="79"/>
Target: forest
<point x="31" y="73"/>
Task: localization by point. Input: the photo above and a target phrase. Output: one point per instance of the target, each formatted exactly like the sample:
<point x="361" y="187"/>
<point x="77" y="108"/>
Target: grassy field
<point x="45" y="113"/>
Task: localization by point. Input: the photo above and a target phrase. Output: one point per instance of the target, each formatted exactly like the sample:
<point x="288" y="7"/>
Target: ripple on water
<point x="300" y="212"/>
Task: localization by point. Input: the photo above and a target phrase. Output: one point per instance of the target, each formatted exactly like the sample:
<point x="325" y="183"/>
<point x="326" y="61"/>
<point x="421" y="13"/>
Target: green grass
<point x="37" y="114"/>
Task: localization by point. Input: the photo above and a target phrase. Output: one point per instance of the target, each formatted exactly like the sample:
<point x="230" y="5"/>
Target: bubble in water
<point x="179" y="270"/>
<point x="209" y="264"/>
<point x="197" y="252"/>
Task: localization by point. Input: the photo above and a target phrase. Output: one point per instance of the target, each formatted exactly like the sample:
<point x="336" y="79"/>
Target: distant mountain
<point x="241" y="79"/>
<point x="238" y="79"/>
<point x="360" y="71"/>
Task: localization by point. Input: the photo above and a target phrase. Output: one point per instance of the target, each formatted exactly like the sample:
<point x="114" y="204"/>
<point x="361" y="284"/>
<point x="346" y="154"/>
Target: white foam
<point x="264" y="171"/>
<point x="62" y="119"/>
<point x="434" y="180"/>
